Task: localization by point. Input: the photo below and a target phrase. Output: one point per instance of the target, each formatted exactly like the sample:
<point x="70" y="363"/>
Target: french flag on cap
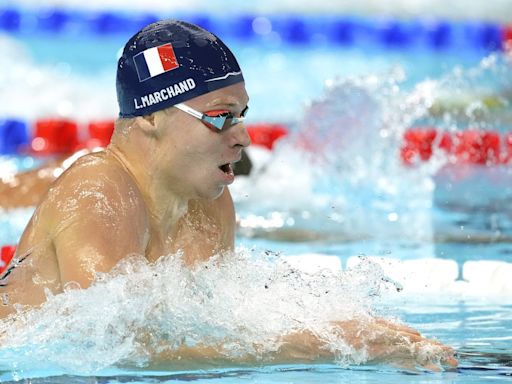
<point x="155" y="61"/>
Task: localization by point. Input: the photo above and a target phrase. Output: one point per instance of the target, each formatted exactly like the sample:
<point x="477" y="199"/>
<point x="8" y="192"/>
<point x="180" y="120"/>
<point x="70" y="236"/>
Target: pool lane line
<point x="293" y="29"/>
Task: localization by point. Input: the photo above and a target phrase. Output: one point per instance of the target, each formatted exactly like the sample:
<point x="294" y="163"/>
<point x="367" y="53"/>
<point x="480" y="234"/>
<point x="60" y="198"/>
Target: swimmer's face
<point x="199" y="159"/>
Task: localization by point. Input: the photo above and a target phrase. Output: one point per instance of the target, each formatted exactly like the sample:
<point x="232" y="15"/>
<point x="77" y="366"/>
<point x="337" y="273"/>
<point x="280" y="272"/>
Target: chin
<point x="211" y="194"/>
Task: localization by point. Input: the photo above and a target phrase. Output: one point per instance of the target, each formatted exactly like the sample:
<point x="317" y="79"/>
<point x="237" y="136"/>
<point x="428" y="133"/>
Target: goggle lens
<point x="218" y="119"/>
<point x="222" y="119"/>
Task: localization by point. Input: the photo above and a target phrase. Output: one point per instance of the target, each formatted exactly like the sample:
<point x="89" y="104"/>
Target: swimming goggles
<point x="220" y="120"/>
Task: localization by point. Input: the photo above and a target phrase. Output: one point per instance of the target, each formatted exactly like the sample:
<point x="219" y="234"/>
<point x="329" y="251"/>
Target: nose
<point x="239" y="136"/>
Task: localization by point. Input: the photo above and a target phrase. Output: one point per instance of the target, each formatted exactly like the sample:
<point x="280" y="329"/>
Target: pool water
<point x="440" y="231"/>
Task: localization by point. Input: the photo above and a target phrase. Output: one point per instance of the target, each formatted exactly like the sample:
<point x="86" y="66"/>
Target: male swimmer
<point x="161" y="186"/>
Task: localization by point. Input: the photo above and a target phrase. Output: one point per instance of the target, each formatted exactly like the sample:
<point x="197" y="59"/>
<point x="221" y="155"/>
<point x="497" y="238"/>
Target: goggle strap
<point x="237" y="120"/>
<point x="217" y="121"/>
<point x="190" y="111"/>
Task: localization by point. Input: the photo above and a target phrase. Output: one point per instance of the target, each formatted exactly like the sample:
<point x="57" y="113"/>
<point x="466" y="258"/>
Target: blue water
<point x="348" y="200"/>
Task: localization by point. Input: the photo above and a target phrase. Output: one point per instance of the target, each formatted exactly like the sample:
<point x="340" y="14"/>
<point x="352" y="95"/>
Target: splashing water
<point x="340" y="169"/>
<point x="242" y="301"/>
<point x="343" y="164"/>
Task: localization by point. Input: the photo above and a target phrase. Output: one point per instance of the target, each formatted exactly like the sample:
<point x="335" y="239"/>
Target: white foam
<point x="314" y="262"/>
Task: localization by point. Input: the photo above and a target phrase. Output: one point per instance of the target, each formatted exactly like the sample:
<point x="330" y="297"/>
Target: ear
<point x="147" y="124"/>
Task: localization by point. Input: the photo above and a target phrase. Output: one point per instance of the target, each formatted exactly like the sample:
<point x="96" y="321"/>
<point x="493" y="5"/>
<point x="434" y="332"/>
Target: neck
<point x="164" y="206"/>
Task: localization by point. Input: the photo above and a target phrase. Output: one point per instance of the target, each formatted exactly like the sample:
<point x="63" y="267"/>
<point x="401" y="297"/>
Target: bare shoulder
<point x="94" y="215"/>
<point x="94" y="185"/>
<point x="96" y="171"/>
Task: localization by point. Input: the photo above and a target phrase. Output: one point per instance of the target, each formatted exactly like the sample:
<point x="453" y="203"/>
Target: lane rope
<point x="419" y="144"/>
<point x="341" y="30"/>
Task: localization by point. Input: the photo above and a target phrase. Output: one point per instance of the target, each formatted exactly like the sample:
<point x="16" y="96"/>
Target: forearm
<point x="362" y="341"/>
<point x="296" y="348"/>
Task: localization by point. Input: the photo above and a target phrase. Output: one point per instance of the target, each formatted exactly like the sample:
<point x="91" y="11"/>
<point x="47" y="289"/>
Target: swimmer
<point x="161" y="187"/>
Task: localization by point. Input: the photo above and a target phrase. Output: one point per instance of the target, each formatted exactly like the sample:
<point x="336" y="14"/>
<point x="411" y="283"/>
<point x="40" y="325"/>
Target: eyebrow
<point x="226" y="102"/>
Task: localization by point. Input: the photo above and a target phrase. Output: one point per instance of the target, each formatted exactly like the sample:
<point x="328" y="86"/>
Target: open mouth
<point x="226" y="168"/>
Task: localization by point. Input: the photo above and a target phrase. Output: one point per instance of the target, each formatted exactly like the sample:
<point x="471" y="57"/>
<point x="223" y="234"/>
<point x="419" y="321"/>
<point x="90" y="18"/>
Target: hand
<point x="397" y="344"/>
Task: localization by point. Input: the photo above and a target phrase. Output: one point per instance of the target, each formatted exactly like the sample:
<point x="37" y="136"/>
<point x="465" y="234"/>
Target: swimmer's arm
<point x="88" y="246"/>
<point x="295" y="349"/>
<point x="381" y="341"/>
<point x="96" y="227"/>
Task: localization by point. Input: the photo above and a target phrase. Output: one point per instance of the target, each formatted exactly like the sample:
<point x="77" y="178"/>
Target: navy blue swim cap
<point x="169" y="62"/>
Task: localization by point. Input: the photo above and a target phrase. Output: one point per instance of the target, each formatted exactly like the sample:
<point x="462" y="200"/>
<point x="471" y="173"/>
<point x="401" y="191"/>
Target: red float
<point x="418" y="145"/>
<point x="472" y="146"/>
<point x="477" y="147"/>
<point x="100" y="133"/>
<point x="506" y="154"/>
<point x="55" y="136"/>
<point x="507" y="37"/>
<point x="266" y="135"/>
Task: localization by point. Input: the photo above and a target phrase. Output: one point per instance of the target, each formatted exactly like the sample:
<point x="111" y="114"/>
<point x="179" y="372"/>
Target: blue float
<point x="292" y="30"/>
<point x="397" y="34"/>
<point x="491" y="37"/>
<point x="10" y="20"/>
<point x="239" y="27"/>
<point x="342" y="31"/>
<point x="439" y="35"/>
<point x="53" y="20"/>
<point x="13" y="136"/>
